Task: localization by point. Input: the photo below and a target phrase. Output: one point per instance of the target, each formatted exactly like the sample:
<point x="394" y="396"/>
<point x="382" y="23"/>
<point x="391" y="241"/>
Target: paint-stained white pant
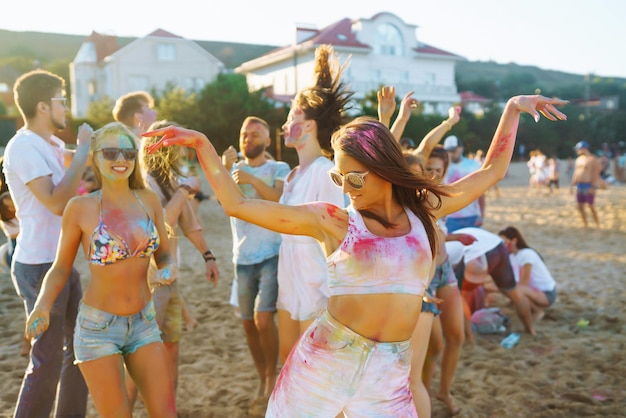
<point x="334" y="369"/>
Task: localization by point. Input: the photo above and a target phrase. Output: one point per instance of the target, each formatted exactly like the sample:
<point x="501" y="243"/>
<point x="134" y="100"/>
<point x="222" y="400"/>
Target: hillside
<point x="490" y="70"/>
<point x="61" y="48"/>
<point x="47" y="47"/>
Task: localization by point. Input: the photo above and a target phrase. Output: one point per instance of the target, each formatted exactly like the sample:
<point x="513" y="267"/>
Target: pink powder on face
<point x="294" y="134"/>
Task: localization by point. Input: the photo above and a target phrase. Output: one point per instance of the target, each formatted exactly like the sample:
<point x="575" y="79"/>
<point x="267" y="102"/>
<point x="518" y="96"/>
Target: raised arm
<point x="471" y="187"/>
<point x="307" y="219"/>
<point x="55" y="196"/>
<point x="407" y="105"/>
<point x="386" y="104"/>
<point x="433" y="137"/>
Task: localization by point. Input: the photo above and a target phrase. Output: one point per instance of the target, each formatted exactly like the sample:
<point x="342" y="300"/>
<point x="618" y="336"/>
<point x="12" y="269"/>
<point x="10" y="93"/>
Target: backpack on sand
<point x="489" y="321"/>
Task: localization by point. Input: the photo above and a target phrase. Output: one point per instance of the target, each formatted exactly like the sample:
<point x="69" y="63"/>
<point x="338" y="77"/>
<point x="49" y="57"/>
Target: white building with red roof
<point x="382" y="50"/>
<point x="102" y="69"/>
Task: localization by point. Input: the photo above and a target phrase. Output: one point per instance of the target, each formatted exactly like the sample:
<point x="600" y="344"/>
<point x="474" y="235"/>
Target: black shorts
<point x="499" y="268"/>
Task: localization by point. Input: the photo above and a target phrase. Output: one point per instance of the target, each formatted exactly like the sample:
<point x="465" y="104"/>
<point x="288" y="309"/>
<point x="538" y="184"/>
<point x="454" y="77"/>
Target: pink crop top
<point x="365" y="263"/>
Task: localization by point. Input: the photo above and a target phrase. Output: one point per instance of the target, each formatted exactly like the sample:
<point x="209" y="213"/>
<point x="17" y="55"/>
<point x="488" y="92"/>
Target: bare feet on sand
<point x="538" y="315"/>
<point x="449" y="401"/>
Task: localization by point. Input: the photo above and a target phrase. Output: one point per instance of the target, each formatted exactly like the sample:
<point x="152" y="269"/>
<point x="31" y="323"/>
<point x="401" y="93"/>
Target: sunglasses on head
<point x="355" y="180"/>
<point x="112" y="154"/>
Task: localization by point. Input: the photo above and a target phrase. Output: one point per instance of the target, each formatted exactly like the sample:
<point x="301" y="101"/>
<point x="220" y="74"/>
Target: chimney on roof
<point x="304" y="32"/>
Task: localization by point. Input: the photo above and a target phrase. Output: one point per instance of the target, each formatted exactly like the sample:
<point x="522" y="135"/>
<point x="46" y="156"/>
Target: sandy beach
<point x="573" y="367"/>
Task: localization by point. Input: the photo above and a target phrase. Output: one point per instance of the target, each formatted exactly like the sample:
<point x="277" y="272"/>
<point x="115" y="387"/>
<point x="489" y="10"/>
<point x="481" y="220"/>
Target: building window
<point x="389" y="40"/>
<point x="166" y="52"/>
<point x="91" y="88"/>
<point x="194" y="84"/>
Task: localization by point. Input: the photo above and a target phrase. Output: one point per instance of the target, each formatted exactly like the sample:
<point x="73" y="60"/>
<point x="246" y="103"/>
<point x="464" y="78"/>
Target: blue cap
<point x="581" y="145"/>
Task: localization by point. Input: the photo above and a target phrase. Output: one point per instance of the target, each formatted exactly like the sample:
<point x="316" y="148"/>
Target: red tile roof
<point x="429" y="49"/>
<point x="164" y="34"/>
<point x="337" y="34"/>
<point x="105" y="45"/>
<point x="470" y="96"/>
<point x="340" y="34"/>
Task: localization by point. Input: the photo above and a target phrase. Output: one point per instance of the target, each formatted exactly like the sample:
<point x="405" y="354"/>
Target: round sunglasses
<point x="355" y="180"/>
<point x="112" y="154"/>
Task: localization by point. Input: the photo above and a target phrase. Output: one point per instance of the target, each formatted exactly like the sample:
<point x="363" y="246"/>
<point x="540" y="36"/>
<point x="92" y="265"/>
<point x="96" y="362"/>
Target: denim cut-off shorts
<point x="99" y="334"/>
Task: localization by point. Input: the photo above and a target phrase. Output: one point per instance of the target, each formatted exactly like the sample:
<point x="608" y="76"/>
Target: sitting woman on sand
<point x="120" y="228"/>
<point x="355" y="357"/>
<point x="531" y="273"/>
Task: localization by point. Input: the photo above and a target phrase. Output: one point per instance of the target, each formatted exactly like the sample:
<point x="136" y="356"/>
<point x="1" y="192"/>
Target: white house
<point x="102" y="69"/>
<point x="382" y="50"/>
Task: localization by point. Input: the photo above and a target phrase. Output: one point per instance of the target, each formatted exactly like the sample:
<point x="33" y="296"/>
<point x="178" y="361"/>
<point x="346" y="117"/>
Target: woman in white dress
<point x="316" y="112"/>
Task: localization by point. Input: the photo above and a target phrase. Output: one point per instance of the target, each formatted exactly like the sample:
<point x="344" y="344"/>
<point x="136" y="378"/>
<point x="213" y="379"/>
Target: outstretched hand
<point x="537" y="104"/>
<point x="454" y="115"/>
<point x="175" y="135"/>
<point x="386" y="103"/>
<point x="407" y="105"/>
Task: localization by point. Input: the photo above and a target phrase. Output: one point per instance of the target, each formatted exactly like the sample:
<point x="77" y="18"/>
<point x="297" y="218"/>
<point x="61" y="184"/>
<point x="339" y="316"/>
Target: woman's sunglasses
<point x="112" y="154"/>
<point x="355" y="180"/>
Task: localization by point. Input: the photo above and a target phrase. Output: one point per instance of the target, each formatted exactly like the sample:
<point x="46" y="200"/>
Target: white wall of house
<point x="390" y="57"/>
<point x="144" y="64"/>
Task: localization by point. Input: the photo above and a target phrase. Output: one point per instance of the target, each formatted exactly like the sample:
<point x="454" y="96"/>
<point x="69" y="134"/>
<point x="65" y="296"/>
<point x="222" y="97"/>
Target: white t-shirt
<point x="253" y="244"/>
<point x="457" y="171"/>
<point x="26" y="158"/>
<point x="485" y="242"/>
<point x="540" y="277"/>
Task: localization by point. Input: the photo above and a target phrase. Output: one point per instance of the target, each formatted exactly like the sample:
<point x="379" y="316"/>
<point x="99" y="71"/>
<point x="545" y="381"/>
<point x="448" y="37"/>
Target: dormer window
<point x="389" y="40"/>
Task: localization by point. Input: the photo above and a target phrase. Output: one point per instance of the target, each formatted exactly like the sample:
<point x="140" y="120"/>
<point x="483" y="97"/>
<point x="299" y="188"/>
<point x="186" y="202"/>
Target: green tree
<point x="225" y="103"/>
<point x="99" y="112"/>
<point x="177" y="105"/>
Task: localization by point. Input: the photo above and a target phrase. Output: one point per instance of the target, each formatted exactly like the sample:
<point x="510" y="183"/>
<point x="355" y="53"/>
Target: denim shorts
<point x="333" y="369"/>
<point x="99" y="334"/>
<point x="550" y="295"/>
<point x="430" y="306"/>
<point x="257" y="287"/>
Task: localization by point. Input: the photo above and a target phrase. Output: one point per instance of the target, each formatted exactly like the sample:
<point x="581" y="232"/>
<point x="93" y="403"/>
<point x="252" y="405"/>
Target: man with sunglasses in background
<point x="42" y="177"/>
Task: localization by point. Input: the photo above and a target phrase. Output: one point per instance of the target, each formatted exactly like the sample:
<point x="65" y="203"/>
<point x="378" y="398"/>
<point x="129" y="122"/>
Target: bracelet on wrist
<point x="208" y="255"/>
<point x="186" y="188"/>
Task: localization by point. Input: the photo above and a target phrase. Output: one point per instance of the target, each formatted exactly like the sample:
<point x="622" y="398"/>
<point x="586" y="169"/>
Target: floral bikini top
<point x="107" y="247"/>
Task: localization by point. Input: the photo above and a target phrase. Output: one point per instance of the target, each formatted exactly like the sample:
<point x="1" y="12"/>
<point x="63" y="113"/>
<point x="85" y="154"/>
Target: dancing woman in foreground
<point x="120" y="228"/>
<point x="356" y="356"/>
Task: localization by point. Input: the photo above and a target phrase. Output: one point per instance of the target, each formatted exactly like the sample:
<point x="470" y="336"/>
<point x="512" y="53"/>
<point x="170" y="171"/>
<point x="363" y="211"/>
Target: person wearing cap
<point x="586" y="179"/>
<point x="461" y="166"/>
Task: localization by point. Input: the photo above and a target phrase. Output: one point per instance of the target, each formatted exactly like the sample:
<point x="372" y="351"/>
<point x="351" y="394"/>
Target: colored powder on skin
<point x="365" y="248"/>
<point x="166" y="273"/>
<point x="501" y="146"/>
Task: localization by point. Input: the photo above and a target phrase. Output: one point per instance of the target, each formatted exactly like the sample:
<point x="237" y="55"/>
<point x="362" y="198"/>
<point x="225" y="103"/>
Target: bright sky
<point x="575" y="36"/>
